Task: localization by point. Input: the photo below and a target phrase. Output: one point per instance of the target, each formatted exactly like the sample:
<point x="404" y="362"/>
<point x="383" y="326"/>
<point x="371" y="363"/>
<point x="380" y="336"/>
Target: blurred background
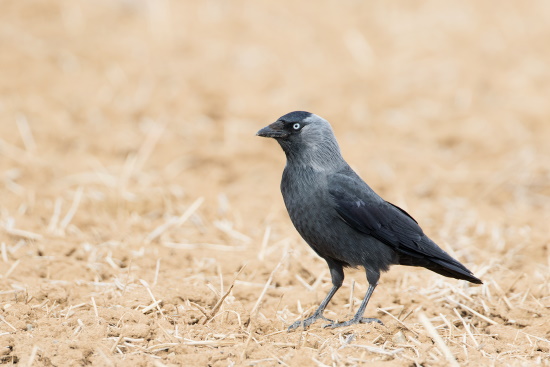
<point x="116" y="116"/>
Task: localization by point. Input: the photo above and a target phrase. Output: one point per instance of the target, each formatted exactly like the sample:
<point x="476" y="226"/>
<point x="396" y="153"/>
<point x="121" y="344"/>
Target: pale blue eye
<point x="296" y="126"/>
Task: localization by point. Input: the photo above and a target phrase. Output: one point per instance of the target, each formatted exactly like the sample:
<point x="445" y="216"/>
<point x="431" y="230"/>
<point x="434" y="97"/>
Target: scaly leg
<point x="337" y="276"/>
<point x="318" y="314"/>
<point x="358" y="318"/>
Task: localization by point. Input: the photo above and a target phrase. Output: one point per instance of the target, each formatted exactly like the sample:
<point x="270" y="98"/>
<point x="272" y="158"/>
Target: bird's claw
<point x="306" y="322"/>
<point x="362" y="320"/>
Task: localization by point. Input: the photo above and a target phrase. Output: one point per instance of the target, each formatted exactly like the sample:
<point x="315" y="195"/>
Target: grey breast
<point x="312" y="212"/>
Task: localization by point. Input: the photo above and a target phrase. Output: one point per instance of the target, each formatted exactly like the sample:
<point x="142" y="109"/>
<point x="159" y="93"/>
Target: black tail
<point x="452" y="269"/>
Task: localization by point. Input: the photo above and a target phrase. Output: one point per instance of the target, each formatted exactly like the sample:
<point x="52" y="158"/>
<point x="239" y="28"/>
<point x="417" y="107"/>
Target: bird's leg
<point x="318" y="314"/>
<point x="337" y="276"/>
<point x="358" y="318"/>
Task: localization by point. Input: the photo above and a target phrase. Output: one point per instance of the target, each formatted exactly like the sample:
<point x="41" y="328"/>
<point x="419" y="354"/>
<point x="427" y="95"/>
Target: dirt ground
<point x="141" y="222"/>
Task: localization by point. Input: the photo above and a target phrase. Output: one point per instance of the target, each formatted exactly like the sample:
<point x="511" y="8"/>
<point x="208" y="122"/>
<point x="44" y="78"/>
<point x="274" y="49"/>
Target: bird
<point x="341" y="217"/>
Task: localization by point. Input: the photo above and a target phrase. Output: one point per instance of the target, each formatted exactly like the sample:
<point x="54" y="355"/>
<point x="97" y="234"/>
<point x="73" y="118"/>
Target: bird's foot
<point x="362" y="320"/>
<point x="306" y="322"/>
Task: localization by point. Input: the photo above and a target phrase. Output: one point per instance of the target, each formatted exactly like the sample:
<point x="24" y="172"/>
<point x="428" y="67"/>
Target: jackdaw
<point x="343" y="220"/>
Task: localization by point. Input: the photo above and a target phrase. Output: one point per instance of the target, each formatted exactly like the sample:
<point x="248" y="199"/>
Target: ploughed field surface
<point x="141" y="222"/>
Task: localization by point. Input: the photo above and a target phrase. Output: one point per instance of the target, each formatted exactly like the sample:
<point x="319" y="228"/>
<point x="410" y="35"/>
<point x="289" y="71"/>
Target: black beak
<point x="275" y="130"/>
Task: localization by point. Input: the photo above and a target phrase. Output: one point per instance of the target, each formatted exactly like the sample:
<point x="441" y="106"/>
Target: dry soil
<point x="141" y="222"/>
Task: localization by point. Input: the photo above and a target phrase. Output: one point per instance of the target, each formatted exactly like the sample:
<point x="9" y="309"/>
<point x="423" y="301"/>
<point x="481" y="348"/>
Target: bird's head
<point x="303" y="135"/>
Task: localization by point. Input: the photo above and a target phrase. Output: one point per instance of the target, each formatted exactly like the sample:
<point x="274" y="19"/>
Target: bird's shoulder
<point x="347" y="185"/>
<point x="363" y="209"/>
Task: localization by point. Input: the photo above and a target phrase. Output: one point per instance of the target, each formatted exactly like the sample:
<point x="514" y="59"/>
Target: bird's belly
<point x="330" y="237"/>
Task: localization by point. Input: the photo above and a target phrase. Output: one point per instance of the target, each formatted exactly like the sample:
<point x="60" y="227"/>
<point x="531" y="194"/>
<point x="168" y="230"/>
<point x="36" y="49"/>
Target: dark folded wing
<point x="365" y="211"/>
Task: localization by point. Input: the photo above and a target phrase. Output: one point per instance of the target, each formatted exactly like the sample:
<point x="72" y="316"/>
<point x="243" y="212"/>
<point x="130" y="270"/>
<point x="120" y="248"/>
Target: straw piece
<point x="466" y="327"/>
<point x="72" y="210"/>
<point x="376" y="349"/>
<point x="222" y="298"/>
<point x="205" y="246"/>
<point x="32" y="357"/>
<point x="174" y="221"/>
<point x="399" y="321"/>
<point x="23" y="234"/>
<point x="113" y="348"/>
<point x="95" y="309"/>
<point x="12" y="268"/>
<point x="267" y="284"/>
<point x="437" y="339"/>
<point x="26" y="133"/>
<point x="474" y="312"/>
<point x="7" y="323"/>
<point x="265" y="240"/>
<point x="54" y="221"/>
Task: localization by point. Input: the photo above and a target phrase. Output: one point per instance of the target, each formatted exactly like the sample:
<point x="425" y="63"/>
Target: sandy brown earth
<point x="141" y="222"/>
